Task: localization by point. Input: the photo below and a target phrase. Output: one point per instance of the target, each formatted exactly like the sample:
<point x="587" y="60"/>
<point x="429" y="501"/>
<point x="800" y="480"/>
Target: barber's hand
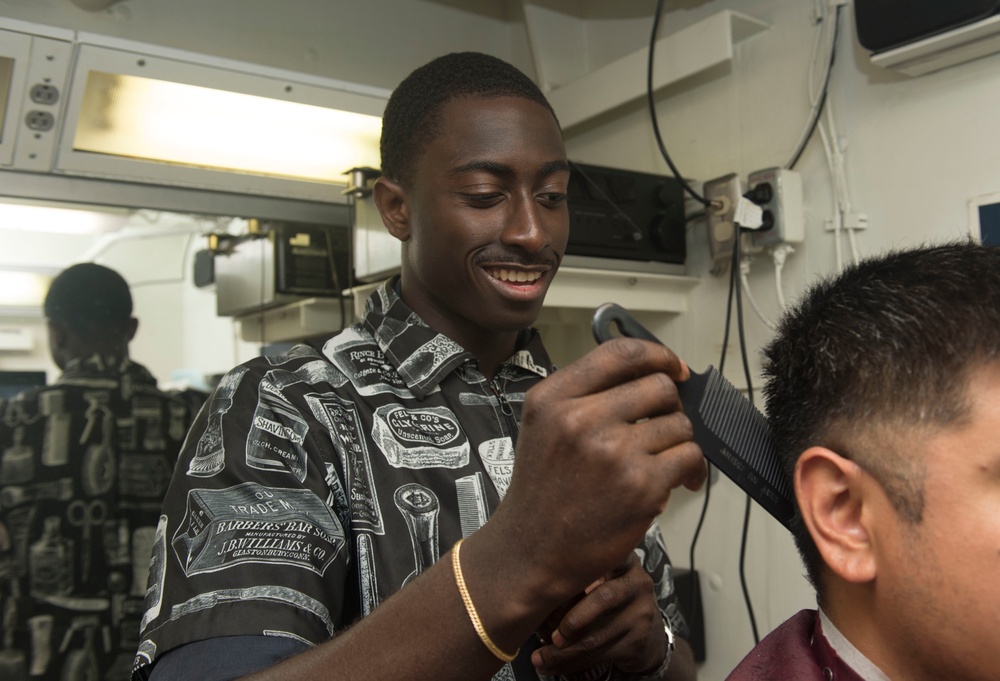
<point x="602" y="442"/>
<point x="616" y="622"/>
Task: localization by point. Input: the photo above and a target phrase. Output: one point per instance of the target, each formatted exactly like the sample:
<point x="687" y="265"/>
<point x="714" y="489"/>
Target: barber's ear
<point x="58" y="334"/>
<point x="391" y="200"/>
<point x="836" y="505"/>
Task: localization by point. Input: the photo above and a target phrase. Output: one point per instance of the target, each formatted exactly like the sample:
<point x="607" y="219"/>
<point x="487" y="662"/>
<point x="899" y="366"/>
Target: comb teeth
<point x="742" y="428"/>
<point x="472" y="509"/>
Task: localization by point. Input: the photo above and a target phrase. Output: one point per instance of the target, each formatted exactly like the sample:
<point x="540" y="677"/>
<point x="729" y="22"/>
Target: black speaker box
<point x="886" y="24"/>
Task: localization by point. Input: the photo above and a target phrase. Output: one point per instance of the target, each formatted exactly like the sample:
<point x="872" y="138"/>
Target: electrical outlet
<point x="778" y="191"/>
<point x="43" y="93"/>
<point x="723" y="194"/>
<point x="40" y="120"/>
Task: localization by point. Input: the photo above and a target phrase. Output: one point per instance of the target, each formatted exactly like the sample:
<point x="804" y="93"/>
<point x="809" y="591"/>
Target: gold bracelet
<point x="471" y="608"/>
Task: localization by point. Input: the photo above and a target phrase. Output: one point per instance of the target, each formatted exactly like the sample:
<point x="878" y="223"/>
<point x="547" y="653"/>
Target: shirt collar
<point x="422" y="356"/>
<point x="844" y="649"/>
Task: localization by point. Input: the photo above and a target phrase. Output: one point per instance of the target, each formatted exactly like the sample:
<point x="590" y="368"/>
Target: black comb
<point x="731" y="432"/>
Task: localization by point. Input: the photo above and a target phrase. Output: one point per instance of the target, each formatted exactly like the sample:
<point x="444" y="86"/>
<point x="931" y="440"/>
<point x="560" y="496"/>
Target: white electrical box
<point x="783" y="210"/>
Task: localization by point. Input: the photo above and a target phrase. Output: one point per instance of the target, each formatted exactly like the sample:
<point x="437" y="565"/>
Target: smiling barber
<point x="341" y="506"/>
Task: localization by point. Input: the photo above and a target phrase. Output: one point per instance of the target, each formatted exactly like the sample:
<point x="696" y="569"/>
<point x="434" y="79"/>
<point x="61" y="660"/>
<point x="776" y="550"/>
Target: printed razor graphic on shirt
<point x="251" y="523"/>
<point x="341" y="419"/>
<point x="420" y="438"/>
<point x="367" y="574"/>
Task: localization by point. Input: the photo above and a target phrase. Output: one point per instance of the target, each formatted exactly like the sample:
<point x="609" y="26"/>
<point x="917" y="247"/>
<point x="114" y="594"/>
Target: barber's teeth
<point x="518" y="276"/>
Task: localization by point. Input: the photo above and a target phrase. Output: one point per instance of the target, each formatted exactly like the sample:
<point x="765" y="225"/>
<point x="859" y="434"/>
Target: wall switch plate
<point x="724" y="194"/>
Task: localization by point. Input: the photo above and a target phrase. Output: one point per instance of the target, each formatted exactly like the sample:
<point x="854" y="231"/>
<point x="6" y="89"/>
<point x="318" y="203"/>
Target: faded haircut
<point x="885" y="348"/>
<point x="412" y="117"/>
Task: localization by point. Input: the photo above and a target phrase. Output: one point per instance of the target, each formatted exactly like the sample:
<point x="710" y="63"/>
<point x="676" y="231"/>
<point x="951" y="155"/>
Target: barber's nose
<point x="526" y="226"/>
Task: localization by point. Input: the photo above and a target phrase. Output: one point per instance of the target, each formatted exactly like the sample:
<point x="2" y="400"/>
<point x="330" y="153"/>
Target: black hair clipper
<point x="731" y="432"/>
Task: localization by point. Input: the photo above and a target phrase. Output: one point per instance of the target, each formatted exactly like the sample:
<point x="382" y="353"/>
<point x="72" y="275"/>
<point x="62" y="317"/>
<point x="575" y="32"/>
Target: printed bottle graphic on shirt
<point x="51" y="562"/>
<point x="146" y="410"/>
<point x="99" y="468"/>
<point x="419" y="507"/>
<point x="209" y="457"/>
<point x="177" y="428"/>
<point x="55" y="445"/>
<point x="17" y="464"/>
<point x="41" y="643"/>
<point x="13" y="665"/>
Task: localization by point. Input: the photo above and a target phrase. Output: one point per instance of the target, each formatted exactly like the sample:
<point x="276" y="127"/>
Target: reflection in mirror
<point x="180" y="338"/>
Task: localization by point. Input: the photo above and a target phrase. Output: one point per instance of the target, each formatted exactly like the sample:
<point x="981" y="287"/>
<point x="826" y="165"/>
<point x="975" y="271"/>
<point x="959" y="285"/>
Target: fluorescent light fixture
<point x="58" y="220"/>
<point x="23" y="289"/>
<point x="189" y="125"/>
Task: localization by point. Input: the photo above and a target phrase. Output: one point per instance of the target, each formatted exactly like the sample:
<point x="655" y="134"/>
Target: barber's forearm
<point x="424" y="630"/>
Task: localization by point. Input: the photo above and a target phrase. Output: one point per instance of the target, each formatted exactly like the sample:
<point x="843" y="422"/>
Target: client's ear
<point x="831" y="492"/>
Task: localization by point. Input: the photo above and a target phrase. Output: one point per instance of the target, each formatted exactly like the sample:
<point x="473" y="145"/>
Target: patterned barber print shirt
<point x="316" y="484"/>
<point x="84" y="465"/>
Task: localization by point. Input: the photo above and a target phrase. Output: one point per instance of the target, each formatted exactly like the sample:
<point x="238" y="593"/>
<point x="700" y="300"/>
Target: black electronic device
<point x="731" y="432"/>
<point x="624" y="214"/>
<point x="688" y="585"/>
<point x="886" y="24"/>
<point x="279" y="263"/>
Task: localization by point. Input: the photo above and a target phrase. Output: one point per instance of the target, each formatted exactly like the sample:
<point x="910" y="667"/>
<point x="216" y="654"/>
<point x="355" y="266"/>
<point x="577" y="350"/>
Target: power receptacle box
<point x="778" y="191"/>
<point x="723" y="194"/>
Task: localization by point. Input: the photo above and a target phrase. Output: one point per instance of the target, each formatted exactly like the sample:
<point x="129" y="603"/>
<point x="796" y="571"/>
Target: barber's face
<point x="488" y="221"/>
<point x="941" y="577"/>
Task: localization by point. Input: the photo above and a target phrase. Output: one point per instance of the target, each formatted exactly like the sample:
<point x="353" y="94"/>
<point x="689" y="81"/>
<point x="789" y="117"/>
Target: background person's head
<point x="89" y="310"/>
<point x="883" y="391"/>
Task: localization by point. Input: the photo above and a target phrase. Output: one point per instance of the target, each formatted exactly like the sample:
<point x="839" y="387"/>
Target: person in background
<point x="422" y="496"/>
<point x="84" y="465"/>
<point x="883" y="391"/>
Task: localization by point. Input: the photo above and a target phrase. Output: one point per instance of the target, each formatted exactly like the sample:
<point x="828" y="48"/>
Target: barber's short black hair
<point x="412" y="116"/>
<point x="886" y="347"/>
<point x="86" y="294"/>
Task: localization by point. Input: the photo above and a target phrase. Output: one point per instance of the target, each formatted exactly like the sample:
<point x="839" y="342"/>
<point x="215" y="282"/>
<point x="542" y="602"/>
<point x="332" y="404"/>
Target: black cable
<point x="708" y="477"/>
<point x="652" y="112"/>
<point x="821" y="102"/>
<point x="729" y="310"/>
<point x="697" y="532"/>
<point x="746" y="511"/>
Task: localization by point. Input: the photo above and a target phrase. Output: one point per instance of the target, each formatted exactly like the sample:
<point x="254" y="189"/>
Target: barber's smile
<point x="518" y="282"/>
